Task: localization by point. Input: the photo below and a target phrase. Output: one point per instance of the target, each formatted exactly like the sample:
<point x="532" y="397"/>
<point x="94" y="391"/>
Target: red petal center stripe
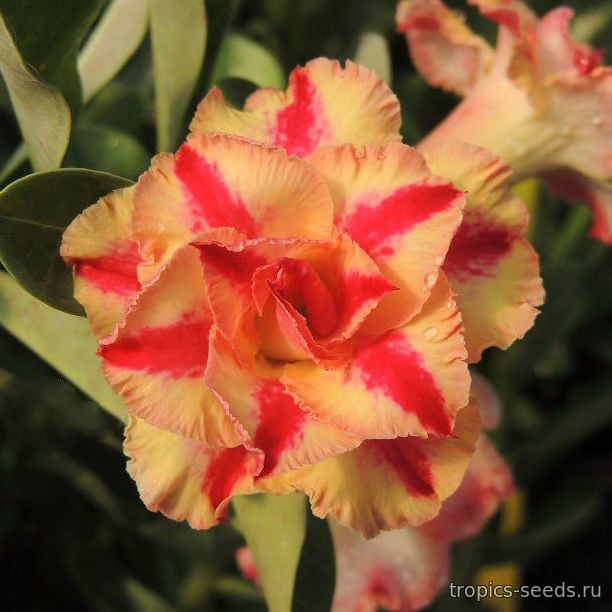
<point x="223" y="474"/>
<point x="477" y="248"/>
<point x="114" y="273"/>
<point x="281" y="423"/>
<point x="408" y="461"/>
<point x="180" y="349"/>
<point x="237" y="267"/>
<point x="393" y="367"/>
<point x="356" y="290"/>
<point x="373" y="223"/>
<point x="300" y="125"/>
<point x="212" y="202"/>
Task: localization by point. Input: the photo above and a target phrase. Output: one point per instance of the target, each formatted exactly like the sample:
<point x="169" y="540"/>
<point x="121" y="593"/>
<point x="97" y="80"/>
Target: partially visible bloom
<point x="539" y="100"/>
<point x="405" y="569"/>
<point x="277" y="323"/>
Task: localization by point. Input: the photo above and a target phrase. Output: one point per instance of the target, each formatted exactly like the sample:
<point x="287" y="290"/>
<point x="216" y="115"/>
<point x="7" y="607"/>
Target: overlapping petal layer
<point x="488" y="480"/>
<point x="409" y="382"/>
<point x="385" y="484"/>
<point x="491" y="266"/>
<point x="158" y="358"/>
<point x="324" y="105"/>
<point x="224" y="181"/>
<point x="185" y="479"/>
<point x="104" y="255"/>
<point x="307" y="295"/>
<point x="271" y="420"/>
<point x="390" y="203"/>
<point x="405" y="569"/>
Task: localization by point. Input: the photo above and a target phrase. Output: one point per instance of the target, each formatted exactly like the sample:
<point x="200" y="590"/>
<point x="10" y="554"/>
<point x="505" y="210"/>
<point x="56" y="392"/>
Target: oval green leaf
<point x="34" y="212"/>
<point x="242" y="58"/>
<point x="49" y="35"/>
<point x="178" y="39"/>
<point x="63" y="341"/>
<point x="115" y="39"/>
<point x="42" y="113"/>
<point x="107" y="150"/>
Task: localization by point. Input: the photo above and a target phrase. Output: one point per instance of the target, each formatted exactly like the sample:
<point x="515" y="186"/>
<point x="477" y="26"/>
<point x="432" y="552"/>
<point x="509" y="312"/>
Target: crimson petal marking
<point x="300" y="125"/>
<point x="114" y="273"/>
<point x="372" y="224"/>
<point x="477" y="247"/>
<point x="223" y="473"/>
<point x="394" y="367"/>
<point x="180" y="349"/>
<point x="409" y="462"/>
<point x="212" y="202"/>
<point x="281" y="423"/>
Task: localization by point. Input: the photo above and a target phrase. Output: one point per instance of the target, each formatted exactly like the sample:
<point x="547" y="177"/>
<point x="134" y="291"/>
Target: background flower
<point x="539" y="100"/>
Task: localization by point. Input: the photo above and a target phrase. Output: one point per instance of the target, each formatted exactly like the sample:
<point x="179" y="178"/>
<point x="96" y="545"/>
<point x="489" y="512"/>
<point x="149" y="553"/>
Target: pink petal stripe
<point x="392" y="366"/>
<point x="212" y="202"/>
<point x="372" y="223"/>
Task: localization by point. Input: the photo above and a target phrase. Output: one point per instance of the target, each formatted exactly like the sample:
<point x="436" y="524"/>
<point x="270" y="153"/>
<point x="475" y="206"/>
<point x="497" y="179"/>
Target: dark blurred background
<point x="73" y="533"/>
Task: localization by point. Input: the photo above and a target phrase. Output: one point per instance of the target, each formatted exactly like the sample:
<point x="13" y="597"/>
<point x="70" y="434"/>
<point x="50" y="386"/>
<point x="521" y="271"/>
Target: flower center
<point x="300" y="285"/>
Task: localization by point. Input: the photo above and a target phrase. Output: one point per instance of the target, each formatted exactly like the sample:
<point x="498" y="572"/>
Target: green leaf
<point x="34" y="212"/>
<point x="316" y="573"/>
<point x="117" y="36"/>
<point x="107" y="150"/>
<point x="14" y="162"/>
<point x="373" y="52"/>
<point x="243" y="58"/>
<point x="178" y="38"/>
<point x="49" y="35"/>
<point x="219" y="14"/>
<point x="274" y="528"/>
<point x="62" y="340"/>
<point x="42" y="112"/>
<point x="143" y="599"/>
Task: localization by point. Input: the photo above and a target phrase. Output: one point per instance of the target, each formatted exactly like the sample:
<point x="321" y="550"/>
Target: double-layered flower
<point x="280" y="304"/>
<point x="539" y="100"/>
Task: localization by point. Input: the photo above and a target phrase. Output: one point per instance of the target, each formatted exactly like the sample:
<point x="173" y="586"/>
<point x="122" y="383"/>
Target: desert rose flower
<point x="539" y="100"/>
<point x="405" y="569"/>
<point x="277" y="323"/>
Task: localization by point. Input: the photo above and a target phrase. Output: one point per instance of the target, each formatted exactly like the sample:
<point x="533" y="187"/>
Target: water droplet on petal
<point x="430" y="280"/>
<point x="439" y="260"/>
<point x="430" y="333"/>
<point x="597" y="120"/>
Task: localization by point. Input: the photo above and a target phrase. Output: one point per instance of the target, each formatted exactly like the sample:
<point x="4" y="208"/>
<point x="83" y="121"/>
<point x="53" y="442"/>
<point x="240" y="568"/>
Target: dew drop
<point x="430" y="280"/>
<point x="597" y="120"/>
<point x="430" y="333"/>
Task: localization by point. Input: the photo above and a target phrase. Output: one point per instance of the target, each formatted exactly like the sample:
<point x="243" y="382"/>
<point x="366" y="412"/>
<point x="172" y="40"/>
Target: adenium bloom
<point x="539" y="100"/>
<point x="279" y="323"/>
<point x="406" y="568"/>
